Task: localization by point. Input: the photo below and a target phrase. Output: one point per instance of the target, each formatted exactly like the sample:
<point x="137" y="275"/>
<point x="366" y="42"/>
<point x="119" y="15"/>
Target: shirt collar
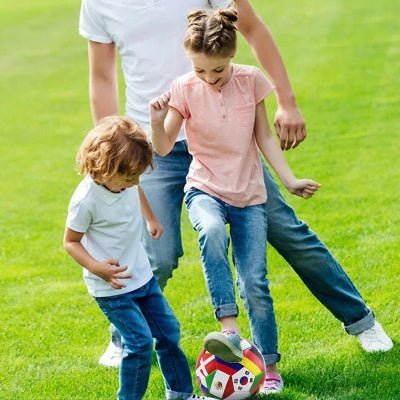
<point x="102" y="193"/>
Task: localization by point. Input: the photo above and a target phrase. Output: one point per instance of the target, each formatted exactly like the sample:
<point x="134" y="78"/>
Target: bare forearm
<point x="274" y="155"/>
<point x="103" y="82"/>
<point x="80" y="255"/>
<point x="103" y="98"/>
<point x="145" y="207"/>
<point x="160" y="140"/>
<point x="264" y="47"/>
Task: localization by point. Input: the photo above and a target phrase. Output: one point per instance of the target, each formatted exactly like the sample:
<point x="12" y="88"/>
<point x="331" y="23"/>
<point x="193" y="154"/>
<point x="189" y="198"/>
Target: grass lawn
<point x="343" y="59"/>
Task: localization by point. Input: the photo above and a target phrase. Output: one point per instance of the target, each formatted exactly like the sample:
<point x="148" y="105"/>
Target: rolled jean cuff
<point x="361" y="325"/>
<point x="171" y="395"/>
<point x="226" y="310"/>
<point x="270" y="359"/>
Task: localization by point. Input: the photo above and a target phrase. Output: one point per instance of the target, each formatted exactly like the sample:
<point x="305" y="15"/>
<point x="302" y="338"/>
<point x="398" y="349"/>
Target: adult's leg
<point x="249" y="235"/>
<point x="166" y="332"/>
<point x="164" y="190"/>
<point x="313" y="262"/>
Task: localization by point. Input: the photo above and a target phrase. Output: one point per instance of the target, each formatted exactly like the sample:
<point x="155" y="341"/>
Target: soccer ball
<point x="232" y="381"/>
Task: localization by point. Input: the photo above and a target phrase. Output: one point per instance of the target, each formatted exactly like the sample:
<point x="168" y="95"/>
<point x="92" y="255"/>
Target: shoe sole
<point x="222" y="348"/>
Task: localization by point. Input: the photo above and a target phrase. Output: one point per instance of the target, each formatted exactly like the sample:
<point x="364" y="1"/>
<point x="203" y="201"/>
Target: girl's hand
<point x="159" y="108"/>
<point x="155" y="229"/>
<point x="305" y="188"/>
<point x="110" y="271"/>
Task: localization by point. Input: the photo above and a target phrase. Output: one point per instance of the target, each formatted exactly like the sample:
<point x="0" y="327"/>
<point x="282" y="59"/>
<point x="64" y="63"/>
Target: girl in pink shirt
<point x="226" y="125"/>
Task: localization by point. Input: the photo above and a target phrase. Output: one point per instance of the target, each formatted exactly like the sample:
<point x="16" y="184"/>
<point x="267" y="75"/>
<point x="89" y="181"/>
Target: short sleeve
<point x="262" y="86"/>
<point x="220" y="3"/>
<point x="91" y="26"/>
<point x="178" y="99"/>
<point x="79" y="217"/>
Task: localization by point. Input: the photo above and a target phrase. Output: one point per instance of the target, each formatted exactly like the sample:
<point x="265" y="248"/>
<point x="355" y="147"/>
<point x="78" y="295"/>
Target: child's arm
<point x="154" y="228"/>
<point x="108" y="270"/>
<point x="166" y="123"/>
<point x="274" y="155"/>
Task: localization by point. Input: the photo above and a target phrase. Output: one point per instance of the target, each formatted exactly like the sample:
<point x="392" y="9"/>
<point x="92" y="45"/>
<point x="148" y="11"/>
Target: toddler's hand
<point x="304" y="188"/>
<point x="110" y="271"/>
<point x="159" y="108"/>
<point x="155" y="229"/>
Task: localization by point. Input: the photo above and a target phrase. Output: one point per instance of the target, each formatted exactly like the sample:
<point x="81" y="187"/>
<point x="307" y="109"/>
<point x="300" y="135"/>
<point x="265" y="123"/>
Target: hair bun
<point x="196" y="16"/>
<point x="227" y="17"/>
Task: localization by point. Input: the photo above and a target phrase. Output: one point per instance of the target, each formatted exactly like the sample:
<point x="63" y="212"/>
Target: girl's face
<point x="215" y="71"/>
<point x="119" y="183"/>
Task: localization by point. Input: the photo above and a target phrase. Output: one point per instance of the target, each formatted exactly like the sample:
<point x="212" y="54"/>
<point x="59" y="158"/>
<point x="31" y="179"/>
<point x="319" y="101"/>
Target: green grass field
<point x="343" y="59"/>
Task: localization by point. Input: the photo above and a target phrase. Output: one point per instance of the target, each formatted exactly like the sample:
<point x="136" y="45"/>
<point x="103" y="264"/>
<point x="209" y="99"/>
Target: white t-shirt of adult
<point x="112" y="227"/>
<point x="149" y="36"/>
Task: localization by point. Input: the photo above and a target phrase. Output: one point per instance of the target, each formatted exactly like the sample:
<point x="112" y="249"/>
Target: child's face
<point x="119" y="183"/>
<point x="215" y="71"/>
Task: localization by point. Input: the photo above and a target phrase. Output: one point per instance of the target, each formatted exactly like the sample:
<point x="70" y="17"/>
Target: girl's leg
<point x="208" y="217"/>
<point x="248" y="232"/>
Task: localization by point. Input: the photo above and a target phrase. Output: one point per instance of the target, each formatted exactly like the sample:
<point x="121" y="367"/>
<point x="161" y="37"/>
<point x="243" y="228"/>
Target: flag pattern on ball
<point x="231" y="381"/>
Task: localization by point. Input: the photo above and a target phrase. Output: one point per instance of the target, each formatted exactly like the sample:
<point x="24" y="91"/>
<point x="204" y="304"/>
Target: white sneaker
<point x="375" y="339"/>
<point x="112" y="356"/>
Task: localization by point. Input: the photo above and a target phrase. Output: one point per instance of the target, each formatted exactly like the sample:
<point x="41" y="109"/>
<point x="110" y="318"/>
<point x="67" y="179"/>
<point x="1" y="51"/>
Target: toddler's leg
<point x="125" y="313"/>
<point x="166" y="332"/>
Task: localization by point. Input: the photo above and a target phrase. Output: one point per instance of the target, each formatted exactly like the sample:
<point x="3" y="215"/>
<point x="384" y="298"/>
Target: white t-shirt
<point x="112" y="227"/>
<point x="149" y="36"/>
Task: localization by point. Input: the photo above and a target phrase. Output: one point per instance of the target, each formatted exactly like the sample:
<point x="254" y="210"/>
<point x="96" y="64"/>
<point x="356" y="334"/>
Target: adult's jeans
<point x="313" y="262"/>
<point x="248" y="231"/>
<point x="141" y="316"/>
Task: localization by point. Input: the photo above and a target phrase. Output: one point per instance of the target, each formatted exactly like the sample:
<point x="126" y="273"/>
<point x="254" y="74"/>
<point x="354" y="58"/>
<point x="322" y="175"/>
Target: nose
<point x="210" y="78"/>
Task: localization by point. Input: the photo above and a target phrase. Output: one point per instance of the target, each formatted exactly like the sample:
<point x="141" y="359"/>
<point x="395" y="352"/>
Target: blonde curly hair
<point x="117" y="145"/>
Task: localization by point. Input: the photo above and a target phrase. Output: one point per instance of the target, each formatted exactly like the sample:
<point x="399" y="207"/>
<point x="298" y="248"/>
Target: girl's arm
<point x="154" y="228"/>
<point x="274" y="155"/>
<point x="108" y="270"/>
<point x="166" y="123"/>
<point x="289" y="122"/>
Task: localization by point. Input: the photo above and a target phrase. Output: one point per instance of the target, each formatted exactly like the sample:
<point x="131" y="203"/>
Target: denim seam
<point x="139" y="362"/>
<point x="162" y="336"/>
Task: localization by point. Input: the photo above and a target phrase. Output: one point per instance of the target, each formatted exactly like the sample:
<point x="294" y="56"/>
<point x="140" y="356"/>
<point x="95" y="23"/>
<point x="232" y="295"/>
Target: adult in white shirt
<point x="148" y="35"/>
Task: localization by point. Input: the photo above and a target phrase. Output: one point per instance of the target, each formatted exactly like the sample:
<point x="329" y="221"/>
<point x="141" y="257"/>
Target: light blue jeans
<point x="140" y="316"/>
<point x="248" y="232"/>
<point x="292" y="238"/>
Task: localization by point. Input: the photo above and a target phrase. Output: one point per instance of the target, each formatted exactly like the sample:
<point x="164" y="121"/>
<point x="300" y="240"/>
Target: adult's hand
<point x="290" y="126"/>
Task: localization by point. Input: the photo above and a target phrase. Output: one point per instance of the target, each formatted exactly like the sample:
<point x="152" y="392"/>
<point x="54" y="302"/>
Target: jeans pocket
<point x="108" y="304"/>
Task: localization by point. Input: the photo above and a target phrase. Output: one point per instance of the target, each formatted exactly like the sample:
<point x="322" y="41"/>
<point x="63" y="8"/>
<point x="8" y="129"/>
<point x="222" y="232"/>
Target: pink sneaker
<point x="273" y="383"/>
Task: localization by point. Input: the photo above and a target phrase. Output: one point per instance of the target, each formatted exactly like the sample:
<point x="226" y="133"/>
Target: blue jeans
<point x="140" y="316"/>
<point x="292" y="238"/>
<point x="248" y="231"/>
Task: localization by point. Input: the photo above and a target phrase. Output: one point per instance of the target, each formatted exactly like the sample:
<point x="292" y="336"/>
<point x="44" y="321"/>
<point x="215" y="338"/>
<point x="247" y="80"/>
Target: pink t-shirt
<point x="219" y="127"/>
